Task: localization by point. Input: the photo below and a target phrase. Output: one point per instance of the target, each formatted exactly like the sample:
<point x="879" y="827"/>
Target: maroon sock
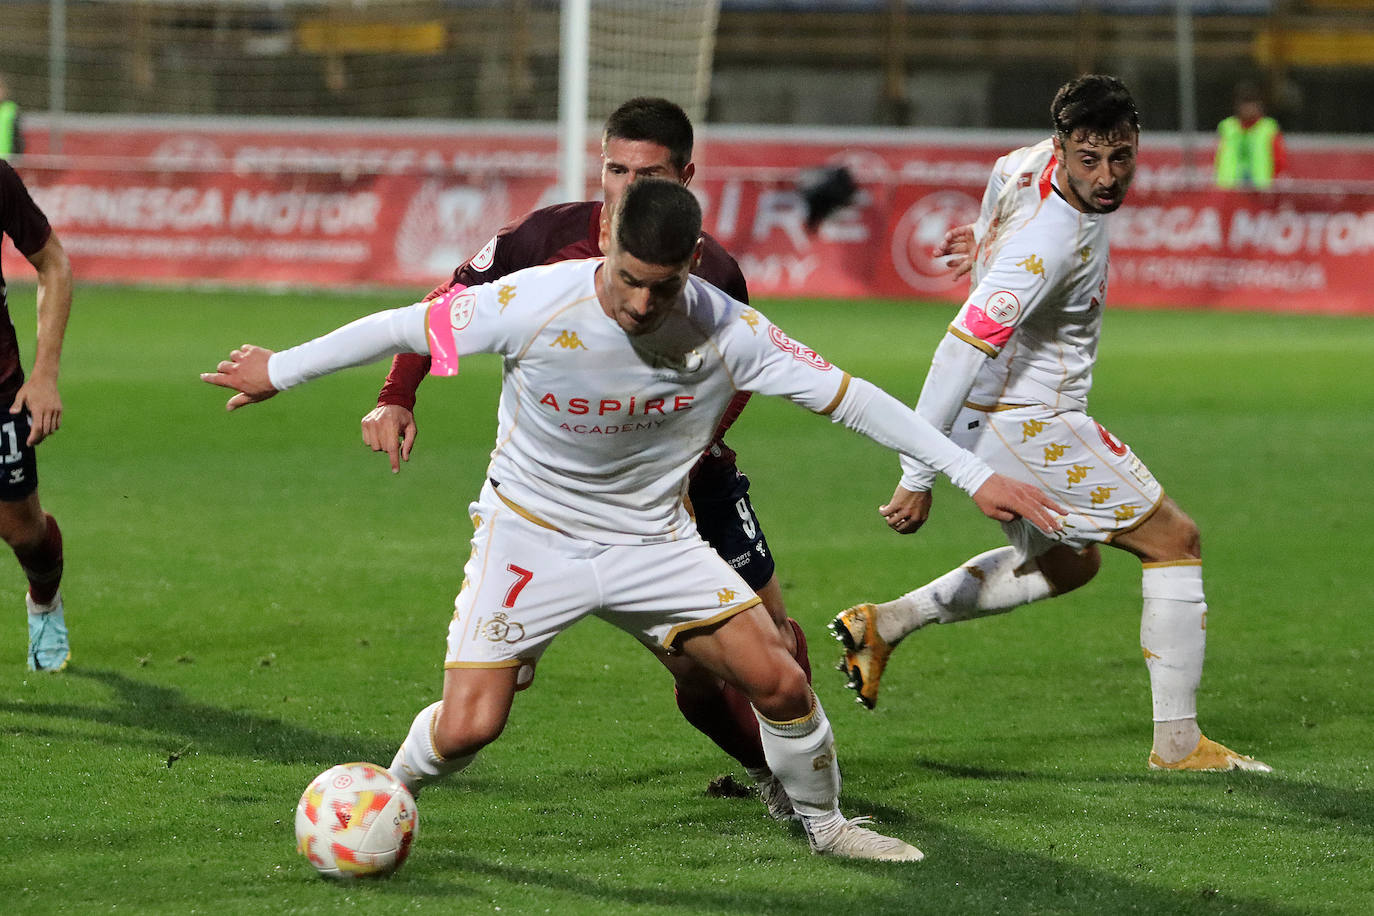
<point x="800" y="655"/>
<point x="725" y="717"/>
<point x="43" y="564"/>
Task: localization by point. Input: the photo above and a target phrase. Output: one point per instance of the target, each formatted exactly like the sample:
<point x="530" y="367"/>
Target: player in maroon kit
<point x="644" y="137"/>
<point x="34" y="412"/>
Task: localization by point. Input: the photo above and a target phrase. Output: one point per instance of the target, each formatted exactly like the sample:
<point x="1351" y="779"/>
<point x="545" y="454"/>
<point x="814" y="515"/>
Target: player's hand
<point x="390" y="428"/>
<point x="39" y="396"/>
<point x="957" y="249"/>
<point x="907" y="511"/>
<point x="246" y="372"/>
<point x="1005" y="499"/>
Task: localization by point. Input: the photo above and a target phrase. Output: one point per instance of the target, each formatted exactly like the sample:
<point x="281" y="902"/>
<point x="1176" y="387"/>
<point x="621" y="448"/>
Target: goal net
<point x="440" y="59"/>
<point x="651" y="47"/>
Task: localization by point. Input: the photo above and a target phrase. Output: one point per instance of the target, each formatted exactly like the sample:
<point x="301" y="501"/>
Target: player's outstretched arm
<point x="907" y="511"/>
<point x="390" y="428"/>
<point x="1004" y="499"/>
<point x="245" y="371"/>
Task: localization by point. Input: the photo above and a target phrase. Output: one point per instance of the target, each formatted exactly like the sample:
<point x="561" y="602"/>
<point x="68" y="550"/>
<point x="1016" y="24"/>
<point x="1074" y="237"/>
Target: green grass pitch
<point x="253" y="597"/>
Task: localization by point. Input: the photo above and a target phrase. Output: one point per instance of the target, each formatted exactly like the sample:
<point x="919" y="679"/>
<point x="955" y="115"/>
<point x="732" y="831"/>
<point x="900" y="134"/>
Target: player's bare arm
<point x="245" y="371"/>
<point x="39" y="394"/>
<point x="390" y="428"/>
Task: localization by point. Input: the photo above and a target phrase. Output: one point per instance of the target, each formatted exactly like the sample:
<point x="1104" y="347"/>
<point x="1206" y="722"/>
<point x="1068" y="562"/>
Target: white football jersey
<point x="1038" y="286"/>
<point x="597" y="430"/>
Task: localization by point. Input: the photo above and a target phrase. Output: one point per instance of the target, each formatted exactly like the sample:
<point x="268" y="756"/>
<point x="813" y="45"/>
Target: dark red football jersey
<point x="558" y="233"/>
<point x="28" y="229"/>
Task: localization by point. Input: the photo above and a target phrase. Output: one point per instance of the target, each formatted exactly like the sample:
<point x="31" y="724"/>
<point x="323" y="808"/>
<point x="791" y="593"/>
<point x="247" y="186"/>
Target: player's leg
<point x="36" y="540"/>
<point x="993" y="582"/>
<point x="746" y="652"/>
<point x="1173" y="638"/>
<point x="522" y="585"/>
<point x="719" y="496"/>
<point x="446" y="736"/>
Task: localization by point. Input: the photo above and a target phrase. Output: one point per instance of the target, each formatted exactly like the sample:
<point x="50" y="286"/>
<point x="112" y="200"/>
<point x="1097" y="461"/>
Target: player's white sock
<point x="417" y="763"/>
<point x="1173" y="638"/>
<point x="987" y="584"/>
<point x="801" y="754"/>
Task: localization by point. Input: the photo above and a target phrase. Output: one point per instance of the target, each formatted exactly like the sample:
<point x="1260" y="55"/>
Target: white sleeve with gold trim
<point x="762" y="358"/>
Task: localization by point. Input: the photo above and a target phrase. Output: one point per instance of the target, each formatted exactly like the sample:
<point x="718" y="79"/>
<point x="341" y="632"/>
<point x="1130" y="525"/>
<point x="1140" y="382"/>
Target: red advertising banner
<point x="330" y="204"/>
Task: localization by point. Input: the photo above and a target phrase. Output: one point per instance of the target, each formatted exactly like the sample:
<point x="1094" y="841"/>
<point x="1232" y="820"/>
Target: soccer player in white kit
<point x="1011" y="380"/>
<point x="616" y="373"/>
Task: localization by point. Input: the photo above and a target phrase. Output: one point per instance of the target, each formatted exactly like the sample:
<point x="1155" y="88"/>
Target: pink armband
<point x="448" y="313"/>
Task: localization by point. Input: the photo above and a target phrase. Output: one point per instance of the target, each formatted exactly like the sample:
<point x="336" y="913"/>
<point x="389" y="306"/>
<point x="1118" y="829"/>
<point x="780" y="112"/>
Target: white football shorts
<point x="525" y="583"/>
<point x="1106" y="488"/>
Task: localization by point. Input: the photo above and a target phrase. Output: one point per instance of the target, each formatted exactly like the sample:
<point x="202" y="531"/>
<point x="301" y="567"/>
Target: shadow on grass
<point x="187" y="725"/>
<point x="964" y="874"/>
<point x="1340" y="805"/>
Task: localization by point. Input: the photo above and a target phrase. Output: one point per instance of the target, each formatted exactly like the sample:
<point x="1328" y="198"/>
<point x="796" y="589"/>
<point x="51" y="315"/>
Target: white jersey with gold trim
<point x="597" y="429"/>
<point x="1038" y="286"/>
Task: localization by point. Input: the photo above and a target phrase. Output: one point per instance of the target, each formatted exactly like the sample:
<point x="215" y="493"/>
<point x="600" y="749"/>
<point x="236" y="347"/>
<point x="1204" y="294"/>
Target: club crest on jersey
<point x="996" y="320"/>
<point x="799" y="351"/>
<point x="483" y="259"/>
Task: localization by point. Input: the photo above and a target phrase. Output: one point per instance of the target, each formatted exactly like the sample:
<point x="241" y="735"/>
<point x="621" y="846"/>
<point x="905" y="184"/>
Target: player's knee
<point x="23" y="532"/>
<point x="1182" y="541"/>
<point x="786" y="696"/>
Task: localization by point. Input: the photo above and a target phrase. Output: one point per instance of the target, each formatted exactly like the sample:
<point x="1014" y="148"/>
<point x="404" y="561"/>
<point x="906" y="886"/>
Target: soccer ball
<point x="356" y="820"/>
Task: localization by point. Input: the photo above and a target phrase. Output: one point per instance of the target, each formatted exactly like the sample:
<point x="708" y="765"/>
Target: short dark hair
<point x="657" y="121"/>
<point x="657" y="221"/>
<point x="1095" y="104"/>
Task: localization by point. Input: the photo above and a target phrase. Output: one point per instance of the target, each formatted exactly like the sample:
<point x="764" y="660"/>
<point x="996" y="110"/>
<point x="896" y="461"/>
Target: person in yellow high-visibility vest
<point x="1250" y="150"/>
<point x="11" y="139"/>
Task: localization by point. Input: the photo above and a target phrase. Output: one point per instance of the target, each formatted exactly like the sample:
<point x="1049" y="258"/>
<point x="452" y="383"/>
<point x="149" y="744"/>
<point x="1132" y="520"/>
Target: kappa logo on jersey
<point x="505" y="294"/>
<point x="1054" y="451"/>
<point x="725" y="596"/>
<point x="568" y="340"/>
<point x="799" y="351"/>
<point x="751" y="317"/>
<point x="995" y="322"/>
<point x="1033" y="265"/>
<point x="1077" y="474"/>
<point x="483" y="259"/>
<point x="1032" y="428"/>
<point x="1126" y="513"/>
